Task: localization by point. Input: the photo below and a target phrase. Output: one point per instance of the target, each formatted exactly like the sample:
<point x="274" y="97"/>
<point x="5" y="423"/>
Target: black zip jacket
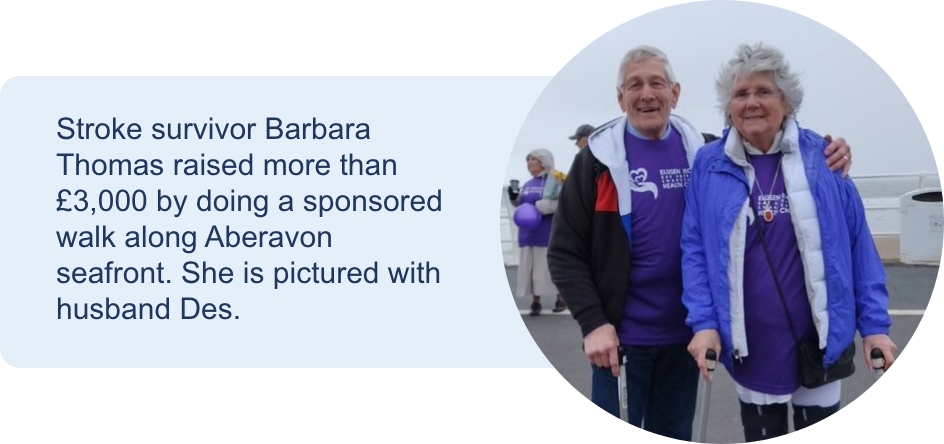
<point x="588" y="253"/>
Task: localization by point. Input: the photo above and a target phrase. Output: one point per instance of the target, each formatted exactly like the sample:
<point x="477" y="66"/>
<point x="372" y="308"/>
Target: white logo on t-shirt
<point x="637" y="179"/>
<point x="674" y="177"/>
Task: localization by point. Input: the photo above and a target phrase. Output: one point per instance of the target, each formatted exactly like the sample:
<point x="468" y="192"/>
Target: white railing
<point x="509" y="232"/>
<point x="894" y="185"/>
<point x="880" y="193"/>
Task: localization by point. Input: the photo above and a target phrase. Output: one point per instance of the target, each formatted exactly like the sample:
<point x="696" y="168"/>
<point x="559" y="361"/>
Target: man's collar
<point x="632" y="130"/>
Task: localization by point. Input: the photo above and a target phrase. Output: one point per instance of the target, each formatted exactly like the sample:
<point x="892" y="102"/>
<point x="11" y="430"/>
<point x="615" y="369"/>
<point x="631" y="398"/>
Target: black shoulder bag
<point x="812" y="371"/>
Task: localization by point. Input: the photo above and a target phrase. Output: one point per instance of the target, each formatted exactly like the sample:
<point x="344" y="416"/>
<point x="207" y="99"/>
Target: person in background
<point x="777" y="258"/>
<point x="543" y="190"/>
<point x="581" y="135"/>
<point x="615" y="250"/>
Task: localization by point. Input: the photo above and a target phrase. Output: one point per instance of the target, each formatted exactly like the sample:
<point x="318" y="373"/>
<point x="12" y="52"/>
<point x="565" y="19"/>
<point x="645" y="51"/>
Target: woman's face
<point x="534" y="166"/>
<point x="757" y="109"/>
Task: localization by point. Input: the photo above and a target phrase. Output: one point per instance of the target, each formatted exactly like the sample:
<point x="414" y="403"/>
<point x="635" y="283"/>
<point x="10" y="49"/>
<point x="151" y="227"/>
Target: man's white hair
<point x="645" y="52"/>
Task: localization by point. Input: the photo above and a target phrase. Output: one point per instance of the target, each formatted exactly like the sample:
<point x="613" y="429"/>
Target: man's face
<point x="582" y="143"/>
<point x="646" y="97"/>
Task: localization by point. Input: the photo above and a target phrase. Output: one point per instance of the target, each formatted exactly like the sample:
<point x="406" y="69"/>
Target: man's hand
<point x="601" y="347"/>
<point x="838" y="155"/>
<point x="883" y="343"/>
<point x="703" y="341"/>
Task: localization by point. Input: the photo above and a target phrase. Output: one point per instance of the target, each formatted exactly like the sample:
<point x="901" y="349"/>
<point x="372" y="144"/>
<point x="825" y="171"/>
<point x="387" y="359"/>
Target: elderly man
<point x="615" y="252"/>
<point x="582" y="135"/>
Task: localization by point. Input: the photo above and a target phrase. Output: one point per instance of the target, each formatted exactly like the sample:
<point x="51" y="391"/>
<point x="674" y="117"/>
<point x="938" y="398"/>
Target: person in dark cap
<point x="581" y="135"/>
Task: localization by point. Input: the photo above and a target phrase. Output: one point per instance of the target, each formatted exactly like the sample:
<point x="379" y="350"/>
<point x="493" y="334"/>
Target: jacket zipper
<point x="739" y="175"/>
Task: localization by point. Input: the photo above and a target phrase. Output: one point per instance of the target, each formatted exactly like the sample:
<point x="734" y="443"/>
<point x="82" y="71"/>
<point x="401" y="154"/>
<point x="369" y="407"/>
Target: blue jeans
<point x="662" y="384"/>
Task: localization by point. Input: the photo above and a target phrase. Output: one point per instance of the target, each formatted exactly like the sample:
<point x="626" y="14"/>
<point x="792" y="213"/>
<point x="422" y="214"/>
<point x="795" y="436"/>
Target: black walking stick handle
<point x="878" y="361"/>
<point x="711" y="361"/>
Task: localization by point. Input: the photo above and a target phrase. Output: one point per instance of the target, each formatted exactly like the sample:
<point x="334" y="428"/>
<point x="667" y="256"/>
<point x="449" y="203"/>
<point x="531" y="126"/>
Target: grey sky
<point x="846" y="93"/>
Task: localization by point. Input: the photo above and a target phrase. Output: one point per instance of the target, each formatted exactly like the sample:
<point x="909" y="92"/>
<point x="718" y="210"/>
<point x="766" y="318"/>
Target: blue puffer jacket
<point x="845" y="279"/>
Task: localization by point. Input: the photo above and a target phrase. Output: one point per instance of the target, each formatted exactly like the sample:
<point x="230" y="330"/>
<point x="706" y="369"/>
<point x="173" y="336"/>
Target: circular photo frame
<point x="633" y="268"/>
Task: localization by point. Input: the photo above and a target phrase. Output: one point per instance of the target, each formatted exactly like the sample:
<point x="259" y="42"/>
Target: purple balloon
<point x="527" y="216"/>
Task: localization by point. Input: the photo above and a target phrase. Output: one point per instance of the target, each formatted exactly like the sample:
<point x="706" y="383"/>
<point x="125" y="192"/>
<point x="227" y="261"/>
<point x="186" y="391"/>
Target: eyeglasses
<point x="762" y="95"/>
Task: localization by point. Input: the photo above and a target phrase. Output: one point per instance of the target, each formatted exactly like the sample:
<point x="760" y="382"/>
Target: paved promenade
<point x="559" y="338"/>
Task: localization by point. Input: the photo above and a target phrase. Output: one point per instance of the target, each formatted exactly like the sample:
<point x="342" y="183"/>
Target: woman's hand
<point x="512" y="194"/>
<point x="883" y="343"/>
<point x="703" y="341"/>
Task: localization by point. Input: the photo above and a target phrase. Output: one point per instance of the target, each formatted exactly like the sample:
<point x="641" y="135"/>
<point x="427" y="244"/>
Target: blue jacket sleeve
<point x="868" y="273"/>
<point x="696" y="294"/>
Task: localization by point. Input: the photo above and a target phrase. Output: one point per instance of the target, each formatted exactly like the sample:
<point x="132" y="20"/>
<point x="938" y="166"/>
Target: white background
<point x="403" y="38"/>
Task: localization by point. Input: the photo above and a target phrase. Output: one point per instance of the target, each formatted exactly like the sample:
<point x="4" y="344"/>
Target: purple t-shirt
<point x="653" y="313"/>
<point x="772" y="365"/>
<point x="538" y="236"/>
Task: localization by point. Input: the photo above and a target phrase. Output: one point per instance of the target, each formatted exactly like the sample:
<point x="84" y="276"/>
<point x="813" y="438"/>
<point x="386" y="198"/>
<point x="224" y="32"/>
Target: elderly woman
<point x="779" y="266"/>
<point x="543" y="190"/>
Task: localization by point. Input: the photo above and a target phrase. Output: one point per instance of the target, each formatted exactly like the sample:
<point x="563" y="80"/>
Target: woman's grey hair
<point x="644" y="52"/>
<point x="759" y="58"/>
<point x="544" y="156"/>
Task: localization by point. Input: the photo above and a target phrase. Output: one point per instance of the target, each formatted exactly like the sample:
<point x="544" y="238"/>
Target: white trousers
<point x="823" y="396"/>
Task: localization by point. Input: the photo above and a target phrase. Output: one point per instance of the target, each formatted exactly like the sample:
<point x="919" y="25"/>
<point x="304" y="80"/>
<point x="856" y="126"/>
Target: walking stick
<point x="711" y="360"/>
<point x="878" y="362"/>
<point x="621" y="386"/>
